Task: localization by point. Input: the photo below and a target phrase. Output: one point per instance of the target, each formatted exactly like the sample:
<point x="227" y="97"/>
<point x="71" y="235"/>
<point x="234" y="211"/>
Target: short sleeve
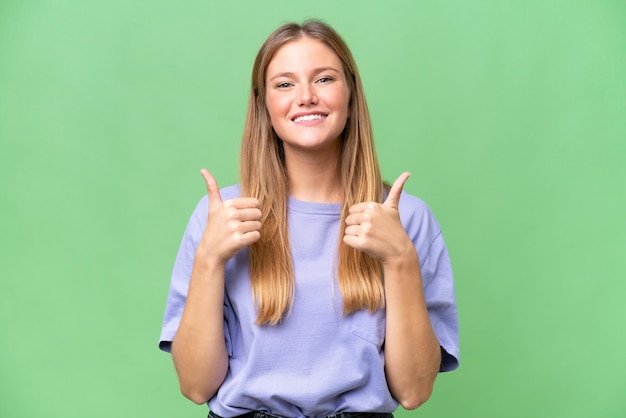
<point x="441" y="302"/>
<point x="437" y="277"/>
<point x="181" y="274"/>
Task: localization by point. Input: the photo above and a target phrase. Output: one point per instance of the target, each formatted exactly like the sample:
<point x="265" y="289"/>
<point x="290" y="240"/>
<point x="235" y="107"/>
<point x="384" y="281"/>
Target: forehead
<point x="303" y="54"/>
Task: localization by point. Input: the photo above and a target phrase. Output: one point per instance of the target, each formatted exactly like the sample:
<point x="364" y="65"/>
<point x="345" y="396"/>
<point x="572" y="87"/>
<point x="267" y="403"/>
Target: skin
<point x="201" y="363"/>
<point x="305" y="77"/>
<point x="412" y="351"/>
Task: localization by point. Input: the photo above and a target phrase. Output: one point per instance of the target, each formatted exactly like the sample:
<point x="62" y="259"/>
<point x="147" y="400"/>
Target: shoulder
<point x="228" y="192"/>
<point x="409" y="202"/>
<point x="414" y="210"/>
<point x="420" y="224"/>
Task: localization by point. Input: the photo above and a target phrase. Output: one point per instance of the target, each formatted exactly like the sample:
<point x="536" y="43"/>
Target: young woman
<point x="310" y="289"/>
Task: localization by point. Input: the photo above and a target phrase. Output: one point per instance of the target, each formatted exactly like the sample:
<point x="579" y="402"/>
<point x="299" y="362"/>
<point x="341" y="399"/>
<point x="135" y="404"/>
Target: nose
<point x="306" y="95"/>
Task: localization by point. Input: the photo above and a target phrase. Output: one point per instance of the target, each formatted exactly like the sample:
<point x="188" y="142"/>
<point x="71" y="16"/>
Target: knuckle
<point x="239" y="241"/>
<point x="232" y="213"/>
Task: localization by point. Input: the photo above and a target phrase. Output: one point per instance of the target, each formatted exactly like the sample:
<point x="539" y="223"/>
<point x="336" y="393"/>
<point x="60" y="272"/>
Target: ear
<point x="258" y="98"/>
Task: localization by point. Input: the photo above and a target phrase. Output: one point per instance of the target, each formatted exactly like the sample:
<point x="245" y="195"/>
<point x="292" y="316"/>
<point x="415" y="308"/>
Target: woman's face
<point x="307" y="96"/>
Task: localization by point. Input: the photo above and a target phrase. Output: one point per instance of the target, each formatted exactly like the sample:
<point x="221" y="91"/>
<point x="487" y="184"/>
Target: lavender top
<point x="316" y="362"/>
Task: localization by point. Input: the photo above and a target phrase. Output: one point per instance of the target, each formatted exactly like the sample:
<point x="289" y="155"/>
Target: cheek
<point x="345" y="106"/>
<point x="342" y="101"/>
<point x="276" y="108"/>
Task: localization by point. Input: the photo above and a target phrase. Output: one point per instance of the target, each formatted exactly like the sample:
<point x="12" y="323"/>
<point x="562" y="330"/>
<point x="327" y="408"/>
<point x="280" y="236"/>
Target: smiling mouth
<point x="305" y="118"/>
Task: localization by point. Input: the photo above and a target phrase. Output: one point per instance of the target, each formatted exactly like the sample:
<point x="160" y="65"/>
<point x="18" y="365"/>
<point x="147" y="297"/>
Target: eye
<point x="324" y="79"/>
<point x="283" y="85"/>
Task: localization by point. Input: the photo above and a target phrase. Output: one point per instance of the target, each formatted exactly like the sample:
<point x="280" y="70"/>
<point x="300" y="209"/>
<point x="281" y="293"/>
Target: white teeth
<point x="308" y="117"/>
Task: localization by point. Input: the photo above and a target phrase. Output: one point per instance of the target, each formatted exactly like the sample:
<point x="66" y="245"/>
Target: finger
<point x="250" y="226"/>
<point x="353" y="241"/>
<point x="243" y="203"/>
<point x="249" y="238"/>
<point x="362" y="207"/>
<point x="213" y="190"/>
<point x="246" y="214"/>
<point x="393" y="198"/>
<point x="352" y="230"/>
<point x="357" y="218"/>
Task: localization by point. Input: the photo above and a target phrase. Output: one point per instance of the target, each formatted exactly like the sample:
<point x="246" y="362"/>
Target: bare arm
<point x="199" y="348"/>
<point x="412" y="352"/>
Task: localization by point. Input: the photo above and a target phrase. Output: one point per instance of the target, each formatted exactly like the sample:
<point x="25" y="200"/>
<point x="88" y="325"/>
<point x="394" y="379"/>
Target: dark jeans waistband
<point x="263" y="414"/>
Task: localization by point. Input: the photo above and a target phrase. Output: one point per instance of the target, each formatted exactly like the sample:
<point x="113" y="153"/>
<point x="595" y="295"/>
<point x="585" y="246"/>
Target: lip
<point x="300" y="114"/>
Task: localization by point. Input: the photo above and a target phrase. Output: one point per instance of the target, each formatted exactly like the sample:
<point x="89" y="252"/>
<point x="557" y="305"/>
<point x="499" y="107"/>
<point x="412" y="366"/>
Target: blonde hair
<point x="263" y="175"/>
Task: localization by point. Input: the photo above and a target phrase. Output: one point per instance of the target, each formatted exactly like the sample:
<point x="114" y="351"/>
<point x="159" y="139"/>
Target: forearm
<point x="412" y="352"/>
<point x="199" y="349"/>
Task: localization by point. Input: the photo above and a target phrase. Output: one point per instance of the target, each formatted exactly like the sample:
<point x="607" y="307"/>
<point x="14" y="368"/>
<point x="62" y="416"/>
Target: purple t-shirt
<point x="316" y="362"/>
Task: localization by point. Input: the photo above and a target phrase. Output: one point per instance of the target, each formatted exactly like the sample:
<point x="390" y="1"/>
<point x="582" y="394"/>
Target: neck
<point x="314" y="177"/>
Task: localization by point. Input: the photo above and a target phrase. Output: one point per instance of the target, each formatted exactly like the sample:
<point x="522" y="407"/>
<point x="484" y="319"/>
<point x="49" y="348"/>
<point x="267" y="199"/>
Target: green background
<point x="511" y="115"/>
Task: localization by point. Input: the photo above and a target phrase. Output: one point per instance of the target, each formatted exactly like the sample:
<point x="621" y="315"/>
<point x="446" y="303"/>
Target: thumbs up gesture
<point x="376" y="229"/>
<point x="232" y="224"/>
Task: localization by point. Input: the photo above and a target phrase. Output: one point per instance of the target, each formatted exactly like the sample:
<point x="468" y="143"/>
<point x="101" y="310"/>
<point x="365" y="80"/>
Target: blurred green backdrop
<point x="511" y="116"/>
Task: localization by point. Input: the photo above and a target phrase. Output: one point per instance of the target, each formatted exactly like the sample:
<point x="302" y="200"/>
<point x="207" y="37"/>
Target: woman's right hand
<point x="232" y="224"/>
<point x="199" y="349"/>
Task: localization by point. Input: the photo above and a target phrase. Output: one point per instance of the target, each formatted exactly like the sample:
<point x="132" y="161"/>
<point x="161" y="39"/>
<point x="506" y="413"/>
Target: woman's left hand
<point x="375" y="228"/>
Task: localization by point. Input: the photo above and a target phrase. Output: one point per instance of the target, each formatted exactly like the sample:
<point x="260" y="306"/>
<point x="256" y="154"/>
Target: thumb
<point x="213" y="191"/>
<point x="393" y="197"/>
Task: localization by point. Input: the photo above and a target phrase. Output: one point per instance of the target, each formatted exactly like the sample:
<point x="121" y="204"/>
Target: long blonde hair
<point x="263" y="175"/>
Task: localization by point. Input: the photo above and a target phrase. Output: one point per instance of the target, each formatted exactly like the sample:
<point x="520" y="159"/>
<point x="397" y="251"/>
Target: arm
<point x="199" y="349"/>
<point x="412" y="352"/>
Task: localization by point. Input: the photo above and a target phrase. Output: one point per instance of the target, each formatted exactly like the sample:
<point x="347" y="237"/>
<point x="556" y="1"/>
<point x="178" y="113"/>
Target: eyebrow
<point x="289" y="74"/>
